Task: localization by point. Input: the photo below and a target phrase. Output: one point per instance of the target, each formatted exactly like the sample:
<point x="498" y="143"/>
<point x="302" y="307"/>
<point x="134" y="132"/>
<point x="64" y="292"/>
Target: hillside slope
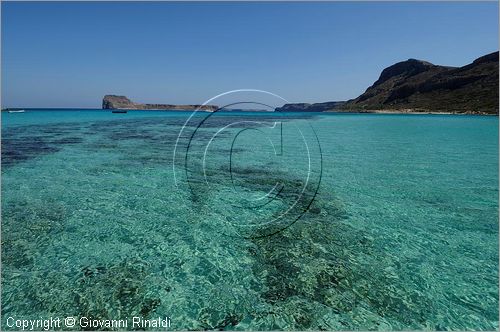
<point x="422" y="86"/>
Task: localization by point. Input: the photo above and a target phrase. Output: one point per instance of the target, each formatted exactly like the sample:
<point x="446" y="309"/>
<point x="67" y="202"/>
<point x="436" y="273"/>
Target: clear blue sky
<point x="70" y="54"/>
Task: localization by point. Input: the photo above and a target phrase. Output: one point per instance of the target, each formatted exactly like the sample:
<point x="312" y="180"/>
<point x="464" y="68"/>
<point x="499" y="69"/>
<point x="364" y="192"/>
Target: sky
<point x="70" y="54"/>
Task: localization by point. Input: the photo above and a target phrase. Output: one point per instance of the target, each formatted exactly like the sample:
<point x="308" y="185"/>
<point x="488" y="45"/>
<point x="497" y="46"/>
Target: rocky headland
<point x="122" y="102"/>
<point x="416" y="86"/>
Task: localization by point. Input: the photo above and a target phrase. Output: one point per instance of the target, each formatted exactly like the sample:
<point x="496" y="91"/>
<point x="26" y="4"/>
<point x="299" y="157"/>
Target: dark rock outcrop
<point x="122" y="102"/>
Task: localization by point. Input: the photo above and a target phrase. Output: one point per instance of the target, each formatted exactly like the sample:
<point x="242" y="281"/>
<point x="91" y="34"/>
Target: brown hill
<point x="421" y="86"/>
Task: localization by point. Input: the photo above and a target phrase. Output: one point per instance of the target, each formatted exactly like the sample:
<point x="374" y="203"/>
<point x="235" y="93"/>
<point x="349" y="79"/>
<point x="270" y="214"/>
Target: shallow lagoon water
<point x="401" y="234"/>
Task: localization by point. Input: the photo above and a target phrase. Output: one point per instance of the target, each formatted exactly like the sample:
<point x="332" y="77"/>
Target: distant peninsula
<point x="316" y="107"/>
<point x="122" y="102"/>
<point x="416" y="86"/>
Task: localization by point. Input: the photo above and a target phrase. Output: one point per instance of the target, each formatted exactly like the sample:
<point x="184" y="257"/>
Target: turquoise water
<point x="393" y="221"/>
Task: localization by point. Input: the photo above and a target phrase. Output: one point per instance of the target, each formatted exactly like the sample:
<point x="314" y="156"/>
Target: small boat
<point x="18" y="111"/>
<point x="118" y="111"/>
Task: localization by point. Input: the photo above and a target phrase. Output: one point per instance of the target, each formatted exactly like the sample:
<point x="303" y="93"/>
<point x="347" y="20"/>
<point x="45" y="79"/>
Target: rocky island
<point x="415" y="86"/>
<point x="122" y="102"/>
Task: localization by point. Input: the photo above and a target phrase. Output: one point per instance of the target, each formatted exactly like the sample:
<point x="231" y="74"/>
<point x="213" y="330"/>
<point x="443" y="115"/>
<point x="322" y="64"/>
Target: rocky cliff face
<point x="115" y="102"/>
<point x="122" y="102"/>
<point x="420" y="85"/>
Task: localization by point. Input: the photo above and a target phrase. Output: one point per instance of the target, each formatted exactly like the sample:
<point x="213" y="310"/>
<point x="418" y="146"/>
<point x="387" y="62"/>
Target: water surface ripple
<point x="403" y="233"/>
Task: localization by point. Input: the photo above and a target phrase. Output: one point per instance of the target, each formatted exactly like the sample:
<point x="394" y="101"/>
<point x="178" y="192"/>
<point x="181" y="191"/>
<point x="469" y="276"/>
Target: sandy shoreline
<point x="410" y="112"/>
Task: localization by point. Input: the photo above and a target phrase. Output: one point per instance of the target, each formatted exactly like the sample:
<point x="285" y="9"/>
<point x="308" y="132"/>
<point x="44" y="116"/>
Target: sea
<point x="250" y="220"/>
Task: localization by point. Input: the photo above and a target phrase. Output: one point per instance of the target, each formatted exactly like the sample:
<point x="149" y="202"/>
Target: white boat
<point x="18" y="111"/>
